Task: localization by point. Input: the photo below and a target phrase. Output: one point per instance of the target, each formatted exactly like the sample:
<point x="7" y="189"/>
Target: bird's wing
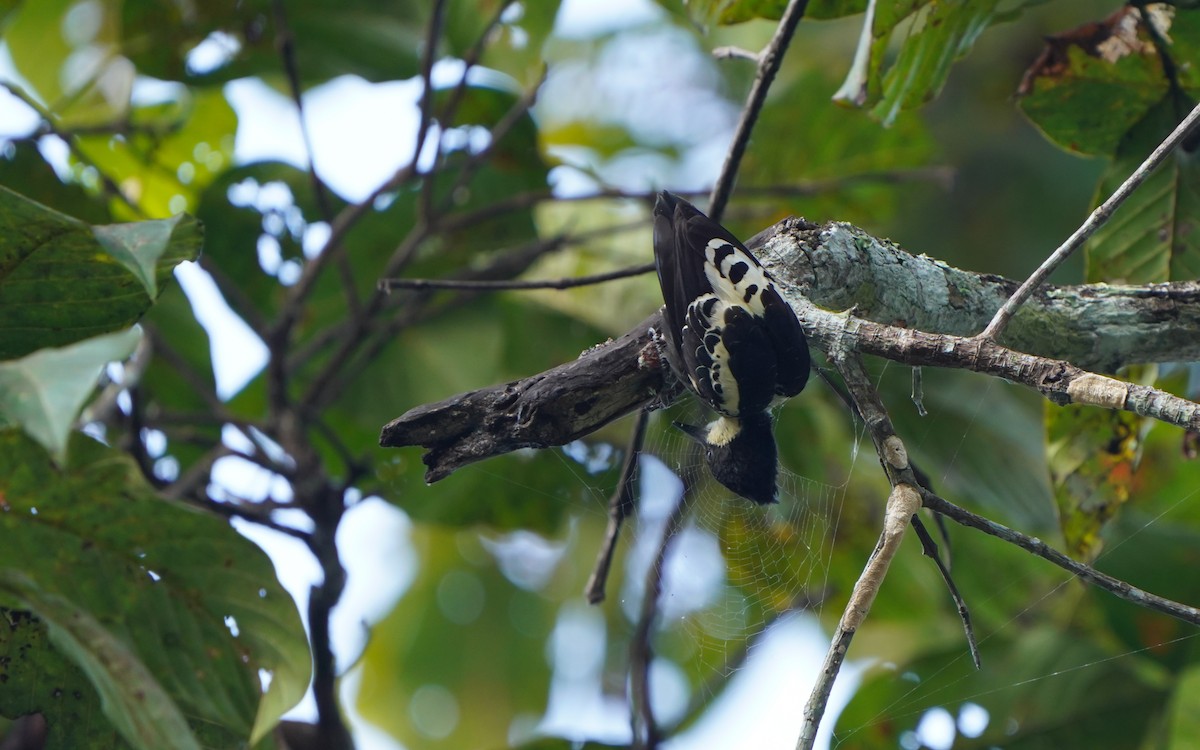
<point x="788" y="341"/>
<point x="728" y="357"/>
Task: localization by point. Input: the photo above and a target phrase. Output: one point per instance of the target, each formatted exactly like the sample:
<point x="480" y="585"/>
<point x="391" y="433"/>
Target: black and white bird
<point x="731" y="339"/>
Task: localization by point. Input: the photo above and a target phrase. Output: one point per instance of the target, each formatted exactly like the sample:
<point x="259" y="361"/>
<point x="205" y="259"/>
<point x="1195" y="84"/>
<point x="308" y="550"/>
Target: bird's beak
<point x="695" y="433"/>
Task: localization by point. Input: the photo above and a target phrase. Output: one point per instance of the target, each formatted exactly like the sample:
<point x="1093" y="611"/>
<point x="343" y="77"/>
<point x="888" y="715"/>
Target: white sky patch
<point x="237" y="353"/>
<point x="17" y="118"/>
<point x="586" y="19"/>
<point x="217" y="49"/>
<point x="361" y="132"/>
<point x="268" y="127"/>
<point x="759" y="708"/>
<point x="374" y="544"/>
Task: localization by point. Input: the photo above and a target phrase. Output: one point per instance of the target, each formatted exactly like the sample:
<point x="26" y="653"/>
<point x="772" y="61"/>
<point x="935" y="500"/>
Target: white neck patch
<point x="723" y="431"/>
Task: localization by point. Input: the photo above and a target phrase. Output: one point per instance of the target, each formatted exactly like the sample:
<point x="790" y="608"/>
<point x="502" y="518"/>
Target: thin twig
<point x="109" y="184"/>
<point x="1096" y="220"/>
<point x="250" y="514"/>
<point x="903" y="502"/>
<point x="349" y="217"/>
<point x="285" y="40"/>
<point x="499" y="131"/>
<point x="1088" y="574"/>
<point x="620" y="507"/>
<point x="641" y="650"/>
<point x="389" y="285"/>
<point x="768" y="66"/>
<point x="930" y="548"/>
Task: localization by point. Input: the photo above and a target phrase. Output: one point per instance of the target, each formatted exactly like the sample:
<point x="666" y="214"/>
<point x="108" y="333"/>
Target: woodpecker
<point x="731" y="339"/>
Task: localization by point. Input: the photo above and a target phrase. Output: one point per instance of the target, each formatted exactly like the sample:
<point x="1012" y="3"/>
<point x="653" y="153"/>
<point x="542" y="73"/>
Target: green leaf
<point x="516" y="46"/>
<point x="133" y="699"/>
<point x="941" y="33"/>
<point x="1092" y="84"/>
<point x="70" y="54"/>
<point x="167" y="581"/>
<point x="59" y="284"/>
<point x="379" y="41"/>
<point x="1092" y="455"/>
<point x="23" y="169"/>
<point x="971" y="420"/>
<point x="739" y="11"/>
<point x="173" y="151"/>
<point x="1155" y="235"/>
<point x="61" y="690"/>
<point x="44" y="391"/>
<point x="1183" y="713"/>
<point x="831" y="144"/>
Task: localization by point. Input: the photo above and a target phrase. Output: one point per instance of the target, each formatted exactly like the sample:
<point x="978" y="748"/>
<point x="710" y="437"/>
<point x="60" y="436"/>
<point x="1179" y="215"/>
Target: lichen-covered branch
<point x="1098" y="327"/>
<point x="909" y="309"/>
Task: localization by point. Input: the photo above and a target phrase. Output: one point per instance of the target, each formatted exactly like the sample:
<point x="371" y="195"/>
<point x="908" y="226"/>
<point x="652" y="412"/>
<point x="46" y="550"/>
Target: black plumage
<point x="730" y="338"/>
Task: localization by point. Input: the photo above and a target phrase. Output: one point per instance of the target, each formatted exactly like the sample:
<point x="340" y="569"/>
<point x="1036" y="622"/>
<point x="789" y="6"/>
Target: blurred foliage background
<point x="494" y="140"/>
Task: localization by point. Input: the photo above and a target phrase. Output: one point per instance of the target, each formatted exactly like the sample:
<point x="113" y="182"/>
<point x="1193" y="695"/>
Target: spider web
<point x="733" y="568"/>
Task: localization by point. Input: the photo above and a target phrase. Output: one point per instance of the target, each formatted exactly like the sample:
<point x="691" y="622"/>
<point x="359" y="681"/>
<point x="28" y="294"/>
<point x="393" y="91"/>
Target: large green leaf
<point x="831" y="144"/>
<point x="22" y="168"/>
<point x="173" y="151"/>
<point x="191" y="599"/>
<point x="44" y="391"/>
<point x="37" y="678"/>
<point x="62" y="280"/>
<point x="1155" y="235"/>
<point x="941" y="32"/>
<point x="134" y="701"/>
<point x="1094" y="83"/>
<point x="738" y="11"/>
<point x="1092" y="454"/>
<point x="379" y="41"/>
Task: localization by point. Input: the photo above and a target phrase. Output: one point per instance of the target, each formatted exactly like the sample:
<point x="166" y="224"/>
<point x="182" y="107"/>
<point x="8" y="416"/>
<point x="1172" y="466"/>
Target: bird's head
<point x="740" y="454"/>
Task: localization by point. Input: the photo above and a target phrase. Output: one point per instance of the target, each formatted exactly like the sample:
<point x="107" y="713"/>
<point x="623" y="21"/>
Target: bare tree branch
<point x="903" y="503"/>
<point x="1085" y="572"/>
<point x="501" y="285"/>
<point x="554" y="408"/>
<point x="768" y="65"/>
<point x="285" y="41"/>
<point x="646" y="733"/>
<point x="620" y="507"/>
